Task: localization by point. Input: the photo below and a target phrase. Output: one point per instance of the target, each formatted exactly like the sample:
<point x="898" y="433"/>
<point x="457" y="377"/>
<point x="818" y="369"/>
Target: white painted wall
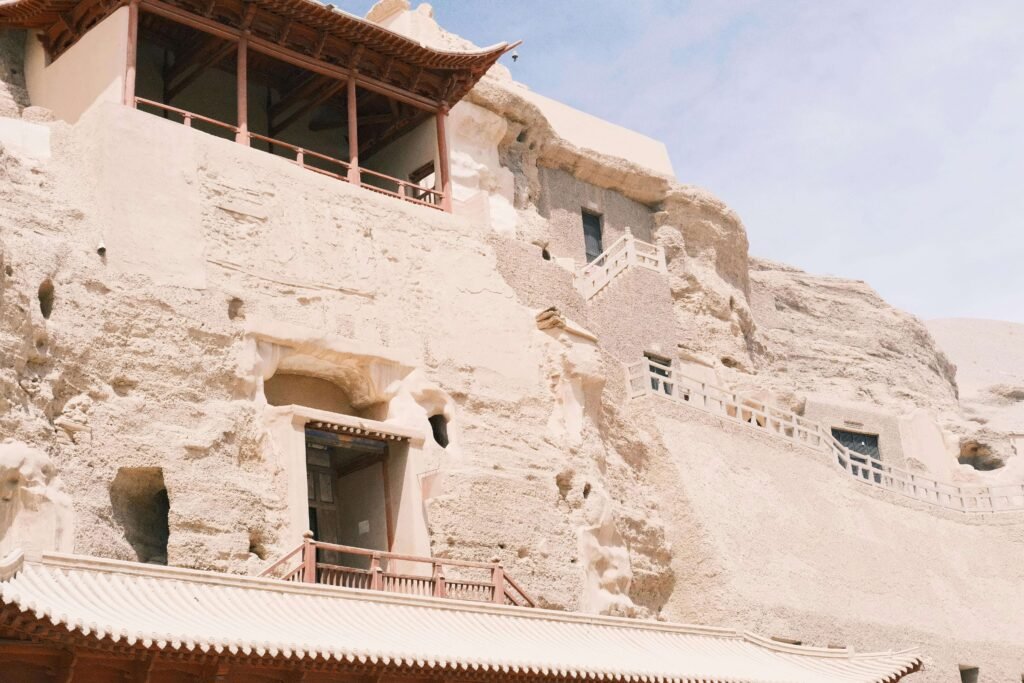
<point x="90" y="71"/>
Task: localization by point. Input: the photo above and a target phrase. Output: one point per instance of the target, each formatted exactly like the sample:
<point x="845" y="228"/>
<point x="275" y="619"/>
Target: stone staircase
<point x="626" y="252"/>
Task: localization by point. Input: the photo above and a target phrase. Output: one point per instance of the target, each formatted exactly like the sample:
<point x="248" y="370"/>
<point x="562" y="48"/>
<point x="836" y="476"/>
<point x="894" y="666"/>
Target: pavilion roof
<point x="131" y="608"/>
<point x="307" y="27"/>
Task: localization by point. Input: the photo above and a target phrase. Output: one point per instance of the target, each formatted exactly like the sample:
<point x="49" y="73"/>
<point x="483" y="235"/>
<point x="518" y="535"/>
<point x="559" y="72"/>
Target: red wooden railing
<point x="392" y="573"/>
<point x="392" y="187"/>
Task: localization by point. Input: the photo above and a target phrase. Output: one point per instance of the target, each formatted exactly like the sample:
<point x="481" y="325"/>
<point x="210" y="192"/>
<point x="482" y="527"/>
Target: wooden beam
<point x="321" y="40"/>
<point x="285" y="30"/>
<point x="285" y="54"/>
<point x="302" y="91"/>
<point x="133" y="51"/>
<point x="242" y="83"/>
<point x="325" y="95"/>
<point x="206" y="57"/>
<point x="67" y="667"/>
<point x="371" y="120"/>
<point x="353" y="134"/>
<point x="445" y="171"/>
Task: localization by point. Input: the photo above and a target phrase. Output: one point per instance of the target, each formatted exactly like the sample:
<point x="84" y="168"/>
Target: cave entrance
<point x="348" y="490"/>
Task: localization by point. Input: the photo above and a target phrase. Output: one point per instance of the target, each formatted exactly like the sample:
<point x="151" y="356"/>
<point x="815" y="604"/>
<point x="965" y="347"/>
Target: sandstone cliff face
<point x="837" y="337"/>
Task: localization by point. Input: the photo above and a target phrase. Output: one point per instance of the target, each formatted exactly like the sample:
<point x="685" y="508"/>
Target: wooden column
<point x="444" y="172"/>
<point x="353" y="133"/>
<point x="242" y="75"/>
<point x="133" y="51"/>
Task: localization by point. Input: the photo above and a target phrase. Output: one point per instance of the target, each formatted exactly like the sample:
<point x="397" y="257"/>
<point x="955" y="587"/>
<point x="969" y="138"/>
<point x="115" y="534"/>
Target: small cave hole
<point x="563" y="480"/>
<point x="257" y="544"/>
<point x="9" y="271"/>
<point x="521" y="137"/>
<point x="545" y="254"/>
<point x="235" y="308"/>
<point x="141" y="506"/>
<point x="730" y="362"/>
<point x="979" y="456"/>
<point x="46" y="296"/>
<point x="501" y="546"/>
<point x="586" y="490"/>
<point x="439" y="427"/>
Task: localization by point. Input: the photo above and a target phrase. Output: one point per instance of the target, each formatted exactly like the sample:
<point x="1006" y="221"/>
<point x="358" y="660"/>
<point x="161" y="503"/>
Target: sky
<point x="882" y="142"/>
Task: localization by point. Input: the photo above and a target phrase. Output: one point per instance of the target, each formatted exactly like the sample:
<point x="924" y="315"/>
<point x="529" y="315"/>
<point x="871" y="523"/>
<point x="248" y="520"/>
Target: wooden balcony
<point x="325" y="563"/>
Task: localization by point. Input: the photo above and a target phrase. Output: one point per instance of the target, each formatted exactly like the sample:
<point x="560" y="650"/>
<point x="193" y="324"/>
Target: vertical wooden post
<point x="389" y="520"/>
<point x="498" y="579"/>
<point x="353" y="133"/>
<point x="444" y="172"/>
<point x="133" y="51"/>
<point x="440" y="587"/>
<point x="376" y="580"/>
<point x="242" y="87"/>
<point x="308" y="558"/>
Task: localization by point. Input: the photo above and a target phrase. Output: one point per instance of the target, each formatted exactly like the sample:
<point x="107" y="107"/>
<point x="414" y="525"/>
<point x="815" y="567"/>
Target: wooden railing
<point x="397" y="573"/>
<point x="646" y="377"/>
<point x="378" y="182"/>
<point x="624" y="252"/>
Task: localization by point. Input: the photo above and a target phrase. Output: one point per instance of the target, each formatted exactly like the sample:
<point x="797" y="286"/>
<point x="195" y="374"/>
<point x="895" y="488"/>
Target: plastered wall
<point x="90" y="71"/>
<point x="564" y="197"/>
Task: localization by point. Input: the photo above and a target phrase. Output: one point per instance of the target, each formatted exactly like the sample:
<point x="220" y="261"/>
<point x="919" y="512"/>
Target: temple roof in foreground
<point x="128" y="608"/>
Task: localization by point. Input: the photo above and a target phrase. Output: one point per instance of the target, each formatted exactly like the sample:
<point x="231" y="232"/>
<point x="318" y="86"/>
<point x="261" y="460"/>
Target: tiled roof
<point x="132" y="605"/>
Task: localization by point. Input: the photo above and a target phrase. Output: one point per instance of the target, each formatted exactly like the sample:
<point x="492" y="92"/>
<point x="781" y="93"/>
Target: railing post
<point x="132" y="55"/>
<point x="188" y="120"/>
<point x="300" y="158"/>
<point x="376" y="578"/>
<point x="308" y="558"/>
<point x="440" y="589"/>
<point x="498" y="579"/>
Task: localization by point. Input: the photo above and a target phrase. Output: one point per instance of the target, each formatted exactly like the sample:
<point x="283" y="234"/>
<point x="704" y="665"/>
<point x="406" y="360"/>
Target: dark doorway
<point x="348" y="494"/>
<point x="592" y="235"/>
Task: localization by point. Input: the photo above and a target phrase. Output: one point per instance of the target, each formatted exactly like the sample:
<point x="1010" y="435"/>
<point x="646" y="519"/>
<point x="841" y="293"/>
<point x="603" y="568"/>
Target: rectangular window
<point x="592" y="235"/>
<point x="864" y="444"/>
<point x="660" y="367"/>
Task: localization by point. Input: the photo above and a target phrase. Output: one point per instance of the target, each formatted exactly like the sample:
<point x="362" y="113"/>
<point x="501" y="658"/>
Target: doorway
<point x="348" y="495"/>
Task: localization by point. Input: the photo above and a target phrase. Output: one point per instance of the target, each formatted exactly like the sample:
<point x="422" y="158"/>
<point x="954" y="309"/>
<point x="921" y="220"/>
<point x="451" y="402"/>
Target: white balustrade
<point x="624" y="252"/>
<point x="669" y="383"/>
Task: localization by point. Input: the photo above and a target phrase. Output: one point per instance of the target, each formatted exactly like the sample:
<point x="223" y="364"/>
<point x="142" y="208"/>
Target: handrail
<point x="381" y="576"/>
<point x="624" y="252"/>
<point x="669" y="383"/>
<point x="406" y="191"/>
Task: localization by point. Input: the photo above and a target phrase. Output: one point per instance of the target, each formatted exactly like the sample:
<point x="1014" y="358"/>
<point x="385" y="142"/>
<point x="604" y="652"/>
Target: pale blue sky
<point x="877" y="141"/>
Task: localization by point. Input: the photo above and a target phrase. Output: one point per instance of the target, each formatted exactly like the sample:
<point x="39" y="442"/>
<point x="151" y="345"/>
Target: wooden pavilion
<point x="334" y="93"/>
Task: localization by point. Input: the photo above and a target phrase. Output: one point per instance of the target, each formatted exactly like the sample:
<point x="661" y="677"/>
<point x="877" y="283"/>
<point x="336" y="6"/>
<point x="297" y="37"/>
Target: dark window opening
<point x="863" y="449"/>
<point x="439" y="426"/>
<point x="140" y="504"/>
<point x="592" y="235"/>
<point x="660" y="367"/>
<point x="969" y="674"/>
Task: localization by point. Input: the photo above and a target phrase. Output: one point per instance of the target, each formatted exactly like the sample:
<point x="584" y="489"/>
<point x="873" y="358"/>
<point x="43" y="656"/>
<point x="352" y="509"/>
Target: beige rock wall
<point x="773" y="536"/>
<point x="144" y="363"/>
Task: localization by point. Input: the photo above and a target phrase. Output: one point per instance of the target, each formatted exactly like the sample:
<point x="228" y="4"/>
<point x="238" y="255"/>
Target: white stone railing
<point x="624" y="252"/>
<point x="646" y="377"/>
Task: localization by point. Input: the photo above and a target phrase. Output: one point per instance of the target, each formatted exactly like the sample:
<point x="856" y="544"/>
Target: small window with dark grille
<point x="659" y="368"/>
<point x="863" y="449"/>
<point x="592" y="235"/>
